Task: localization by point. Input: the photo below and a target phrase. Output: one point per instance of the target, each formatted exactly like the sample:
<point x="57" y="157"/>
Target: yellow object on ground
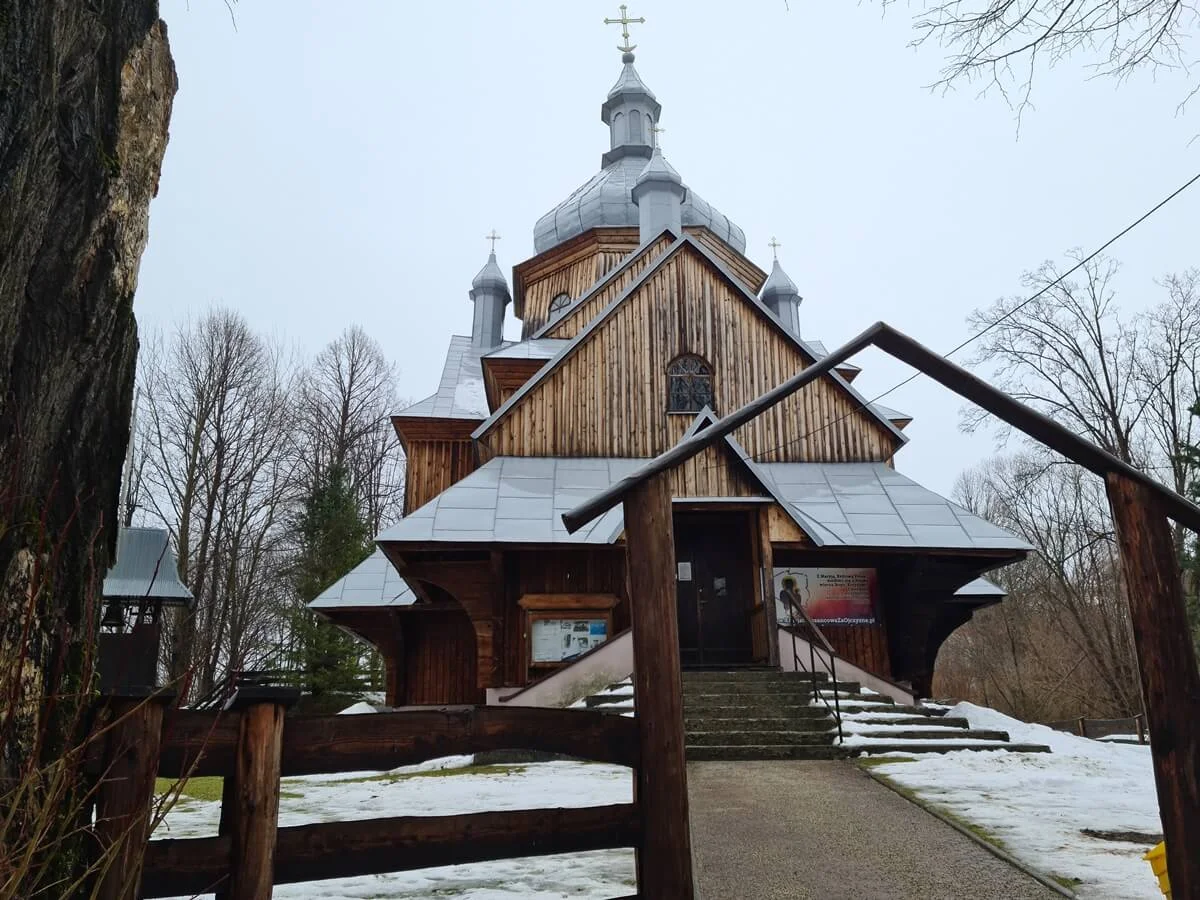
<point x="1158" y="862"/>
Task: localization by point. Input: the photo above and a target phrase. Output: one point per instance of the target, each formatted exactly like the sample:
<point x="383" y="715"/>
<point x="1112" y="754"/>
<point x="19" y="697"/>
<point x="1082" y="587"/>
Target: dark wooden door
<point x="714" y="580"/>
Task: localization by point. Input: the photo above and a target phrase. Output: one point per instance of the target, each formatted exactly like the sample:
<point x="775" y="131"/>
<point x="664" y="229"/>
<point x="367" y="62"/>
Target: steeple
<point x="490" y="294"/>
<point x="658" y="193"/>
<point x="781" y="296"/>
<point x="631" y="110"/>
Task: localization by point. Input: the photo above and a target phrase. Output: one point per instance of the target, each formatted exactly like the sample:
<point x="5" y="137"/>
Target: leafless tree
<point x="1061" y="643"/>
<point x="1002" y="42"/>
<point x="347" y="396"/>
<point x="216" y="434"/>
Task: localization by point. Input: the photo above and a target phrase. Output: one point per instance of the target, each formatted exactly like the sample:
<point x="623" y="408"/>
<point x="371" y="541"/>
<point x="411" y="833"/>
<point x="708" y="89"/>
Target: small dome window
<point x="635" y="128"/>
<point x="689" y="384"/>
<point x="559" y="305"/>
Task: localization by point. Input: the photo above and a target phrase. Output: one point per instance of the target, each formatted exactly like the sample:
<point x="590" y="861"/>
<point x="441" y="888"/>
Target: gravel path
<point x="765" y="830"/>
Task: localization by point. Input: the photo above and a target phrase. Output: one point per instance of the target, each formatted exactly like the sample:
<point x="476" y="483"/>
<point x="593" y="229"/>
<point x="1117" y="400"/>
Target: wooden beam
<point x="125" y="797"/>
<point x="376" y="846"/>
<point x="250" y="798"/>
<point x="1167" y="662"/>
<point x="198" y="743"/>
<point x="1024" y="418"/>
<point x="382" y="741"/>
<point x="664" y="859"/>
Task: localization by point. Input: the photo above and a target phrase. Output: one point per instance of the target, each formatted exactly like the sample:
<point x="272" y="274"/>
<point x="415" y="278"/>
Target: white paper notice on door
<point x="685" y="571"/>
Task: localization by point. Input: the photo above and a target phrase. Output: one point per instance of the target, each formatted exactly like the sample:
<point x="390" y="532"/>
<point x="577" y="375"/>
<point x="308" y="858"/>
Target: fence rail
<point x="1103" y="728"/>
<point x="252" y="745"/>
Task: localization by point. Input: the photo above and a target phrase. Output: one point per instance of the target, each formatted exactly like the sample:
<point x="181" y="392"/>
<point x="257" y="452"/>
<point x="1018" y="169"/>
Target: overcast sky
<point x="340" y="163"/>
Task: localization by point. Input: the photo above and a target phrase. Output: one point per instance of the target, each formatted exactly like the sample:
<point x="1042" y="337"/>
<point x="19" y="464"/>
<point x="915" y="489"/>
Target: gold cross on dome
<point x="493" y="237"/>
<point x="625" y="22"/>
<point x="657" y="131"/>
<point x="774" y="245"/>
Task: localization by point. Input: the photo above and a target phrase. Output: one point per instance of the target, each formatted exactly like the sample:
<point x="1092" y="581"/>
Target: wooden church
<point x="642" y="319"/>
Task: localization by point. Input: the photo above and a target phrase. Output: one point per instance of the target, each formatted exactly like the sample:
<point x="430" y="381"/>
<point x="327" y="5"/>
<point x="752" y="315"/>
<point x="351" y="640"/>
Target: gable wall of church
<point x="577" y="319"/>
<point x="573" y="275"/>
<point x="610" y="397"/>
<point x="431" y="466"/>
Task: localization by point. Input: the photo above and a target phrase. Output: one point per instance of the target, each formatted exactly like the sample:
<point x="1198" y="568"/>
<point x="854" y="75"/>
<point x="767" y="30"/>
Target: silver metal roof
<point x="981" y="587"/>
<point x="460" y="393"/>
<point x="521" y="500"/>
<point x="892" y="414"/>
<point x="822" y="350"/>
<point x="145" y="568"/>
<point x="872" y="505"/>
<point x="778" y="283"/>
<point x="605" y="201"/>
<point x="373" y="582"/>
<point x="517" y="500"/>
<point x="535" y="348"/>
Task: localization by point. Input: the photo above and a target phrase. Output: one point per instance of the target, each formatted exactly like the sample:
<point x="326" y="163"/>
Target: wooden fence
<point x="252" y="745"/>
<point x="1133" y="726"/>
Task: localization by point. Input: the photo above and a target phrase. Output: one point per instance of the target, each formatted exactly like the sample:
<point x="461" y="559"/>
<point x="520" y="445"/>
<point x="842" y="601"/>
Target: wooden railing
<point x="252" y="745"/>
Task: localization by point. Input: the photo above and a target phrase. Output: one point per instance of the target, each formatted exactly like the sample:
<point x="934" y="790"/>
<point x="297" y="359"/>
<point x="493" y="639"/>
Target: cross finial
<point x="774" y="245"/>
<point x="493" y="237"/>
<point x="625" y="22"/>
<point x="656" y="131"/>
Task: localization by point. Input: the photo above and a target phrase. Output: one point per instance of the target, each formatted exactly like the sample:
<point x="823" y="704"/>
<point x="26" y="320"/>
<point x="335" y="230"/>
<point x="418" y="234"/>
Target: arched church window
<point x="635" y="128"/>
<point x="559" y="305"/>
<point x="689" y="384"/>
<point x="618" y="129"/>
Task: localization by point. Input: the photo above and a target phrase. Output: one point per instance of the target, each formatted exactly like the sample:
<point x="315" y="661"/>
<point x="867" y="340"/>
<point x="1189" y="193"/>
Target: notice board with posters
<point x="561" y="627"/>
<point x="832" y="596"/>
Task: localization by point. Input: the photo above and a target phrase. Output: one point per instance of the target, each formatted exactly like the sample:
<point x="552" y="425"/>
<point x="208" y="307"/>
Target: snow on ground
<point x="1037" y="803"/>
<point x="442" y="787"/>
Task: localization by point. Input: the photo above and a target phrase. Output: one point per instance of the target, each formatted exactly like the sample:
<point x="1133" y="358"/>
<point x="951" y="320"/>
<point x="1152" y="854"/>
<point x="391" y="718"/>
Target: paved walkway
<point x="794" y="830"/>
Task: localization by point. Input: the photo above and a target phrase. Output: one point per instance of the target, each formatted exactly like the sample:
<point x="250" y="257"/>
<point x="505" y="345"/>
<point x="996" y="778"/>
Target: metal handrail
<point x="830" y="665"/>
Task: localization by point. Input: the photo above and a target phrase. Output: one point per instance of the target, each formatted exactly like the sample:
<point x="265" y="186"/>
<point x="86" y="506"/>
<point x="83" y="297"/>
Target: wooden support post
<point x="1167" y="660"/>
<point x="250" y="798"/>
<point x="664" y="859"/>
<point x="126" y="792"/>
<point x="1139" y="722"/>
<point x="1081" y="726"/>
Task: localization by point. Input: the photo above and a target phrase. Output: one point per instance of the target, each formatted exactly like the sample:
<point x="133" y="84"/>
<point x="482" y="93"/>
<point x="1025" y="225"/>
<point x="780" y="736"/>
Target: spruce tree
<point x="333" y="540"/>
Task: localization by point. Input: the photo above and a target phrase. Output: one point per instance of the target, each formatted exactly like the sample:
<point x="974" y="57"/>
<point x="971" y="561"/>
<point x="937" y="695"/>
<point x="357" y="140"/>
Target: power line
<point x="1012" y="312"/>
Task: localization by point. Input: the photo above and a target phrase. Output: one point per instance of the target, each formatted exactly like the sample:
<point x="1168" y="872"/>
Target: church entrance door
<point x="714" y="588"/>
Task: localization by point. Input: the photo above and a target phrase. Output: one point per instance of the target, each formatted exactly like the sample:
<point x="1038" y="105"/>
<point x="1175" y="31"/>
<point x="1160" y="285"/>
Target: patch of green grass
<point x="205" y="787"/>
<point x="870" y="762"/>
<point x="1067" y="882"/>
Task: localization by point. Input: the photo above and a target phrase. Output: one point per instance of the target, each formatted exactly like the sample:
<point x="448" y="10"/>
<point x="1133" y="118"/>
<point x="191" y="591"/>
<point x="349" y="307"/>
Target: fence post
<point x="664" y="859"/>
<point x="1167" y="664"/>
<point x="125" y="796"/>
<point x="1081" y="726"/>
<point x="250" y="797"/>
<point x="1139" y="722"/>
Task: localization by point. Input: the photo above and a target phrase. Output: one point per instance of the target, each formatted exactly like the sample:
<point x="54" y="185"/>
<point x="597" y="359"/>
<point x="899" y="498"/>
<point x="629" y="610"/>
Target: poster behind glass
<point x="559" y="640"/>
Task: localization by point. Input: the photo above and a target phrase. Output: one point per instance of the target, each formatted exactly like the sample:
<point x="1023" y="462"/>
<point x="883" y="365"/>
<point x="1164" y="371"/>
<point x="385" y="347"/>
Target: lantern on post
<point x="143" y="580"/>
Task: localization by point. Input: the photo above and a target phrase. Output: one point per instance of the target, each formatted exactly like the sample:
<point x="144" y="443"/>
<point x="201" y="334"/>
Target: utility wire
<point x="1012" y="312"/>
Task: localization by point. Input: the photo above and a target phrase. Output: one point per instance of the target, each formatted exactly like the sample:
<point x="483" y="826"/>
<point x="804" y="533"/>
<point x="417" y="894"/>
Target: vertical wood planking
<point x="610" y="397"/>
<point x="125" y="796"/>
<point x="664" y="860"/>
<point x="1167" y="661"/>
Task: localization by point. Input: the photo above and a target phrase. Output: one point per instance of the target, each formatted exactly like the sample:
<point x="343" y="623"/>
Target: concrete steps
<point x="755" y="714"/>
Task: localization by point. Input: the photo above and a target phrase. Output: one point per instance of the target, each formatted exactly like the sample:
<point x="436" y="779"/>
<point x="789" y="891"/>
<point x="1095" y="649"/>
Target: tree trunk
<point x="85" y="99"/>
